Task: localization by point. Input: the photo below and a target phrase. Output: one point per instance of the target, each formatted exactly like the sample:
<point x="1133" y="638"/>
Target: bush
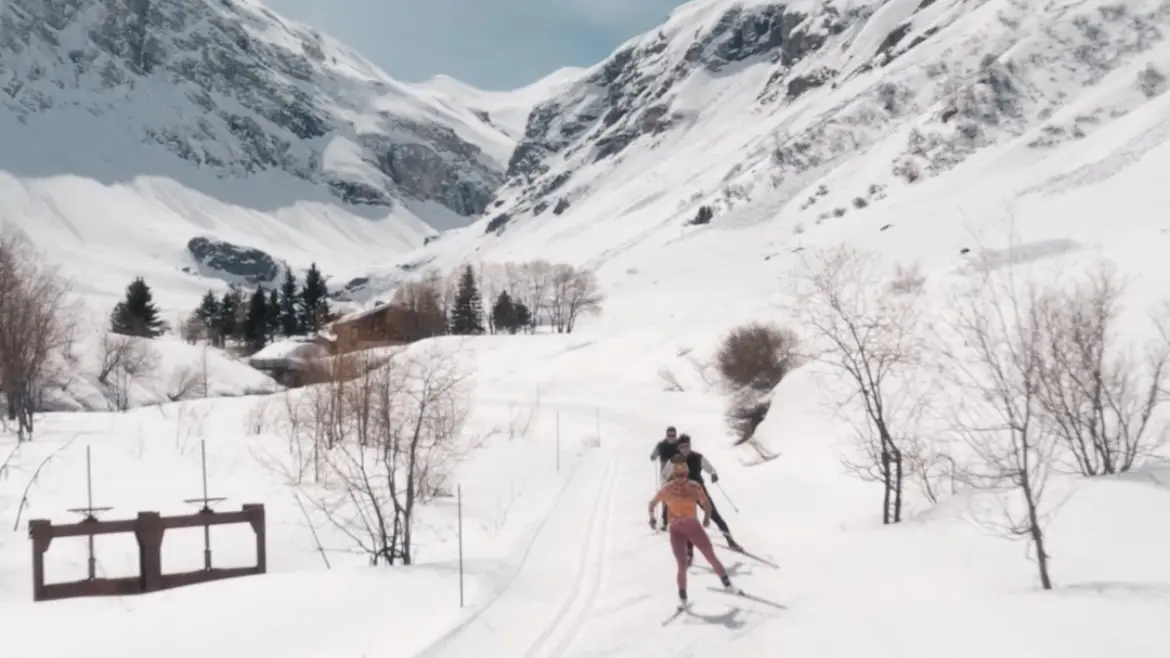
<point x="703" y="216"/>
<point x="756" y="356"/>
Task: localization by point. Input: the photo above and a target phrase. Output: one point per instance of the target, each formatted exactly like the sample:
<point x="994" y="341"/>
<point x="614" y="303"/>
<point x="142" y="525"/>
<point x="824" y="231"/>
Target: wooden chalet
<point x="386" y="324"/>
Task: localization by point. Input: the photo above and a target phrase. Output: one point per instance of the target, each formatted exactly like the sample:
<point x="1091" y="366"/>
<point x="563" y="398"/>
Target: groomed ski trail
<point x="532" y="615"/>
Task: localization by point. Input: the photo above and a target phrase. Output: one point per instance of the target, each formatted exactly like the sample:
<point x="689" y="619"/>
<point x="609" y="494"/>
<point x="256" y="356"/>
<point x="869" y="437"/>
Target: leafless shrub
<point x="1101" y="399"/>
<point x="37" y="323"/>
<point x="1151" y="81"/>
<point x="872" y="340"/>
<point x="998" y="372"/>
<point x="756" y="356"/>
<point x="503" y="508"/>
<point x="751" y="361"/>
<point x="187" y="383"/>
<point x="391" y="435"/>
<point x="124" y="360"/>
<point x="259" y="418"/>
<point x="520" y="421"/>
<point x="192" y="329"/>
<point x="669" y="380"/>
<point x="908" y="280"/>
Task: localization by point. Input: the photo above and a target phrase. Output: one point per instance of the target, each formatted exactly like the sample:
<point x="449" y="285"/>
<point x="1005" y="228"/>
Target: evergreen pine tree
<point x="290" y="295"/>
<point x="314" y="300"/>
<point x="523" y="316"/>
<point x="228" y="320"/>
<point x="272" y="325"/>
<point x="136" y="315"/>
<point x="504" y="314"/>
<point x="467" y="309"/>
<point x="208" y="313"/>
<point x="255" y="329"/>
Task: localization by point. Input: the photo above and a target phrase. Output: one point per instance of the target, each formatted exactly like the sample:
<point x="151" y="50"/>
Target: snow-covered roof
<point x="286" y="353"/>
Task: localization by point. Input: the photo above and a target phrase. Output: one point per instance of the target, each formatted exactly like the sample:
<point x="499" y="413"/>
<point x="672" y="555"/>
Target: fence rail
<point x="148" y="529"/>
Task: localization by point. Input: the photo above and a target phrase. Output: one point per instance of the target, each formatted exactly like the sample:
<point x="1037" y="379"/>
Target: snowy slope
<point x="559" y="561"/>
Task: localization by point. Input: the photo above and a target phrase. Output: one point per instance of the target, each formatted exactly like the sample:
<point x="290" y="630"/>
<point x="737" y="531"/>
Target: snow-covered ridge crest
<point x="233" y="87"/>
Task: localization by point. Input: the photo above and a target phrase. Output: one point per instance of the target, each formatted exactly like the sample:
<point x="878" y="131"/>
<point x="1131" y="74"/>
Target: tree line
<point x="524" y="297"/>
<point x="251" y="319"/>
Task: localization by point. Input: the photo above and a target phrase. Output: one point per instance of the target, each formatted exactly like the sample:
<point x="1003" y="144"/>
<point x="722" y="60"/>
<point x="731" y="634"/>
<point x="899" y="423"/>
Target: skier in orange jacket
<point x="682" y="497"/>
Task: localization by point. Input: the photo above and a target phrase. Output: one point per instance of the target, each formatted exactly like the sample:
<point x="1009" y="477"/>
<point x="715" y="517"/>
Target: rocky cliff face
<point x="796" y="88"/>
<point x="229" y="85"/>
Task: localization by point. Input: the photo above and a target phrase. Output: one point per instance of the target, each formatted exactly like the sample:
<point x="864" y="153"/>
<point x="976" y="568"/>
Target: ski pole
<point x="727" y="497"/>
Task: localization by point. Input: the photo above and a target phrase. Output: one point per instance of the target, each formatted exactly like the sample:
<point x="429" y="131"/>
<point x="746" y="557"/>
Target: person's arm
<point x="655" y="451"/>
<point x="653" y="504"/>
<point x="706" y="466"/>
<point x="667" y="471"/>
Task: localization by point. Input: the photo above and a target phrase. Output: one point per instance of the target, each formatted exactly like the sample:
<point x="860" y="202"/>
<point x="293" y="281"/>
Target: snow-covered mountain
<point x="129" y="129"/>
<point x="927" y="134"/>
<point x="509" y="110"/>
<point x="795" y="114"/>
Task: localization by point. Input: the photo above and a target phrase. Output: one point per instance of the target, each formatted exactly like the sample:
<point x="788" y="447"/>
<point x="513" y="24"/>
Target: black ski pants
<point x="715" y="515"/>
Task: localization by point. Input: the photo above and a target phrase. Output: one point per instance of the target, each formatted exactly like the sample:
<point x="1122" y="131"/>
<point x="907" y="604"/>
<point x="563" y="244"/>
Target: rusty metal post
<point x="256" y="519"/>
<point x="148" y="530"/>
<point x="41" y="533"/>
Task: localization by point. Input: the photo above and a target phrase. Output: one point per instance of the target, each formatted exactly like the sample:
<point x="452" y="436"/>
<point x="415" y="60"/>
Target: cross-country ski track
<point x="589" y="566"/>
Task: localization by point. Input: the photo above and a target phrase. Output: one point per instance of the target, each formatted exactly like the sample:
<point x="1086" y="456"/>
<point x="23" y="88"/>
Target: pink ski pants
<point x="684" y="531"/>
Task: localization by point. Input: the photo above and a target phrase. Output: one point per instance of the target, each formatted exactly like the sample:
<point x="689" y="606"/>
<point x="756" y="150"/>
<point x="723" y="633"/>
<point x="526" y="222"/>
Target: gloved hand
<point x="707" y="522"/>
<point x="714" y="478"/>
<point x="653" y="523"/>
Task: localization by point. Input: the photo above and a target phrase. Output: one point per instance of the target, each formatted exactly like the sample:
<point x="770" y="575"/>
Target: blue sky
<point x="492" y="44"/>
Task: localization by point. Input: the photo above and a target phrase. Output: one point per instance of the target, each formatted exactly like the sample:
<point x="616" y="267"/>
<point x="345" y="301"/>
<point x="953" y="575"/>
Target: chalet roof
<point x="286" y="354"/>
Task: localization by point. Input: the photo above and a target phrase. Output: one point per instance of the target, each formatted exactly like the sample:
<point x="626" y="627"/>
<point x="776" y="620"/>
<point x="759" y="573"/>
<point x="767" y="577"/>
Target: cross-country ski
<point x="735" y="591"/>
<point x="757" y="558"/>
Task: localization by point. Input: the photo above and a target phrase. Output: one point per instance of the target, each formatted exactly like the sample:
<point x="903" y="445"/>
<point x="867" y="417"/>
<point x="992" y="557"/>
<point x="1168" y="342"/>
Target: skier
<point x="696" y="464"/>
<point x="663" y="451"/>
<point x="680" y="496"/>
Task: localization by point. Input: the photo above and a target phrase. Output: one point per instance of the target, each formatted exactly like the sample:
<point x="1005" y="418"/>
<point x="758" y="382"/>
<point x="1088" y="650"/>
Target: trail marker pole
<point x="90" y="513"/>
<point x="459" y="507"/>
<point x="597" y="423"/>
<point x="558" y="440"/>
<point x="206" y="509"/>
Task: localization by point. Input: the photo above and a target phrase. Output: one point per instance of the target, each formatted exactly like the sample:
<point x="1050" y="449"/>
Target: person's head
<point x="684" y="445"/>
<point x="671" y="433"/>
<point x="678" y="467"/>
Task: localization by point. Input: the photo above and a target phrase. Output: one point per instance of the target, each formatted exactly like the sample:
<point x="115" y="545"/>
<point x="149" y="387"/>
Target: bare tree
<point x="417" y="310"/>
<point x="124" y="360"/>
<point x="582" y="297"/>
<point x="397" y="439"/>
<point x="560" y="279"/>
<point x="536" y="290"/>
<point x="870" y="336"/>
<point x="37" y="323"/>
<point x="1100" y="398"/>
<point x="998" y="370"/>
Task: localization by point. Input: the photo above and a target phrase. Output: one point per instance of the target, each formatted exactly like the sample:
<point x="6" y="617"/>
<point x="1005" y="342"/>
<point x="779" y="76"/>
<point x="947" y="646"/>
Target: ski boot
<point x="726" y="580"/>
<point x="682" y="599"/>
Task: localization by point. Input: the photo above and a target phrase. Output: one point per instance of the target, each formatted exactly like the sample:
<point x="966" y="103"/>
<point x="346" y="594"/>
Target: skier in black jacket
<point x="696" y="464"/>
<point x="663" y="451"/>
